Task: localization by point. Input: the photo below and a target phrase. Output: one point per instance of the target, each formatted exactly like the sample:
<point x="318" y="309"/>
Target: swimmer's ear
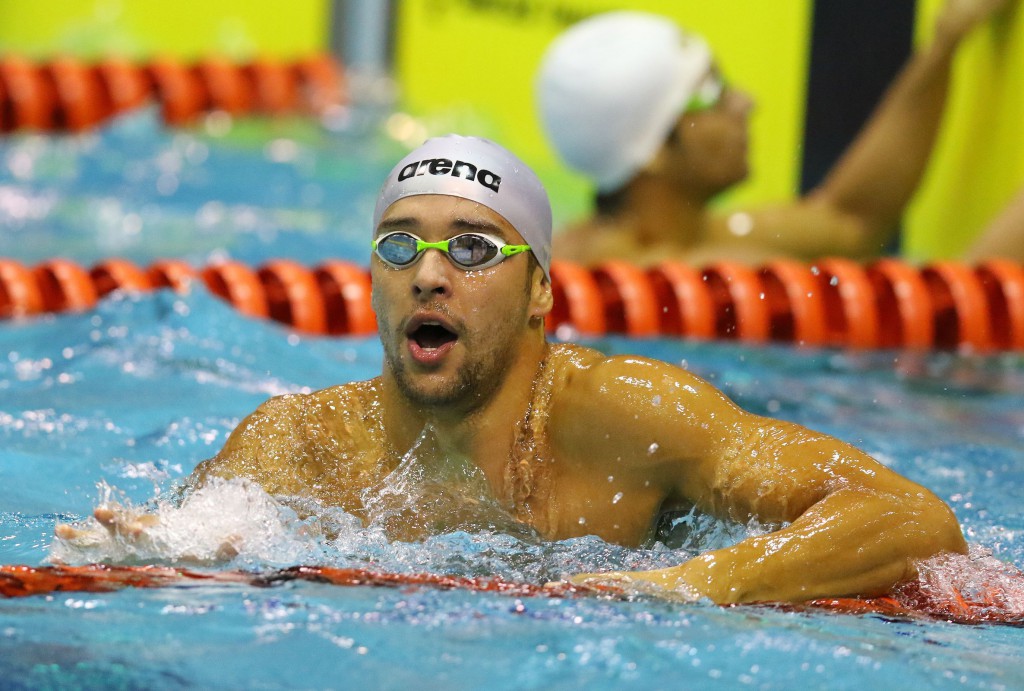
<point x="541" y="297"/>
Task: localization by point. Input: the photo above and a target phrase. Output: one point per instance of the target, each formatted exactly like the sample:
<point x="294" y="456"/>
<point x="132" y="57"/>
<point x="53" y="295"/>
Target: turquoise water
<point x="127" y="398"/>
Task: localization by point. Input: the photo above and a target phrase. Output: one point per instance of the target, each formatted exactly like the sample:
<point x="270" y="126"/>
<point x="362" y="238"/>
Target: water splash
<point x="225" y="521"/>
<point x="235" y="524"/>
<point x="976" y="584"/>
<point x="419" y="498"/>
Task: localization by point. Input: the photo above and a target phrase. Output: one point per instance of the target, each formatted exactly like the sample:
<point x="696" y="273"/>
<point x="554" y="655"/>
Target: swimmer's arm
<point x="879" y="173"/>
<point x="855" y="527"/>
<point x="857" y="208"/>
<point x="1004" y="238"/>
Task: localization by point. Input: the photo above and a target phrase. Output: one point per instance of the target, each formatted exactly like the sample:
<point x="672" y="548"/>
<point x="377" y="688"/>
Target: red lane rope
<point x="1003" y="283"/>
<point x="851" y="305"/>
<point x="69" y="94"/>
<point x="25" y="581"/>
<point x="740" y="305"/>
<point x="835" y="302"/>
<point x="684" y="302"/>
<point x="796" y="305"/>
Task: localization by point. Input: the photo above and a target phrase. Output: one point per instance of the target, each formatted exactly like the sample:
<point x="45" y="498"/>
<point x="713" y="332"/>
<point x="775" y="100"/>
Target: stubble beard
<point x="473" y="384"/>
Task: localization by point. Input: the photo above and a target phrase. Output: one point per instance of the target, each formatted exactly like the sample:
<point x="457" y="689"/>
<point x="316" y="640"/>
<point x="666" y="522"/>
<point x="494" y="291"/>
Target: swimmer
<point x="568" y="442"/>
<point x="640" y="107"/>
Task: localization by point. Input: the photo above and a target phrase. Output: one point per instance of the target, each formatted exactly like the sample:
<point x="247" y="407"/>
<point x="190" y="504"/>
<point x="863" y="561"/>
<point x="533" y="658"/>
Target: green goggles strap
<point x="509" y="250"/>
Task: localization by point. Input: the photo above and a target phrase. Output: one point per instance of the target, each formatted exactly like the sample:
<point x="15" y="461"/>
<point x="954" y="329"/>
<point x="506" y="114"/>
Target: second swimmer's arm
<point x="879" y="173"/>
<point x="1004" y="237"/>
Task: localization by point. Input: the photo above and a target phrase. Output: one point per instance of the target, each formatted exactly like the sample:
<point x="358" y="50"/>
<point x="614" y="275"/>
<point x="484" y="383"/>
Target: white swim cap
<point x="611" y="88"/>
<point x="481" y="171"/>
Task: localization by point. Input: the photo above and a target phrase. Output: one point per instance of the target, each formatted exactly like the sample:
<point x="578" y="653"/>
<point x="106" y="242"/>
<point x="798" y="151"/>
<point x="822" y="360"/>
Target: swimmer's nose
<point x="739" y="101"/>
<point x="432" y="277"/>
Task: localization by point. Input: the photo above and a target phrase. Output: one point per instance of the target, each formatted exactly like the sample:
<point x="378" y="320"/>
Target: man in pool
<point x="639" y="107"/>
<point x="566" y="441"/>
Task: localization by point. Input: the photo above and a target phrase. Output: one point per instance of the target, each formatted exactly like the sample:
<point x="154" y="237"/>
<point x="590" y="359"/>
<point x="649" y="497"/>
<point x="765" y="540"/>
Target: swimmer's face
<point x="708" y="149"/>
<point x="449" y="335"/>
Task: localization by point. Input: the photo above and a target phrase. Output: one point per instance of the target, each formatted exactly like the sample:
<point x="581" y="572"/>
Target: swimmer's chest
<point x="580" y="504"/>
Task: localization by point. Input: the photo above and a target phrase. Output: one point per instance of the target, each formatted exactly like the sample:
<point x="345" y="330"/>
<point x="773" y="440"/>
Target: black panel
<point x="857" y="47"/>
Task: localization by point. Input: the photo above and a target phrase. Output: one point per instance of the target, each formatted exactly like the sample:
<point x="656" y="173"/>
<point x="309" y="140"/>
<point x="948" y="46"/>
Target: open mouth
<point x="431" y="336"/>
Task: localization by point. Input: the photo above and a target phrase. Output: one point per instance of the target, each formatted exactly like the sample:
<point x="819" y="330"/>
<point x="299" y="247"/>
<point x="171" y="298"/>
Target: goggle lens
<point x="398" y="248"/>
<point x="707" y="94"/>
<point x="471" y="250"/>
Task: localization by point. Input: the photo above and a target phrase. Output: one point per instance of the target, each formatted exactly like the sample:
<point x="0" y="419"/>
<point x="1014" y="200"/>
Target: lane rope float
<point x="69" y="94"/>
<point x="833" y="302"/>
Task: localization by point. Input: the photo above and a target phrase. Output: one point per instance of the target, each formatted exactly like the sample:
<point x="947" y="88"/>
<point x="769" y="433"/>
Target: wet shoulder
<point x="588" y="386"/>
<point x="566" y="362"/>
<point x="578" y="370"/>
<point x="293" y="441"/>
<point x="338" y="411"/>
<point x="343" y="420"/>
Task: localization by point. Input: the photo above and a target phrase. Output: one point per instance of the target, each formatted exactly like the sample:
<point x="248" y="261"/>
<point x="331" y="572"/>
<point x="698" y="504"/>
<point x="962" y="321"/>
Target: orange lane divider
<point x="69" y="94"/>
<point x="740" y="304"/>
<point x="907" y="602"/>
<point x="1003" y="283"/>
<point x="833" y="302"/>
<point x="849" y="302"/>
<point x="685" y="304"/>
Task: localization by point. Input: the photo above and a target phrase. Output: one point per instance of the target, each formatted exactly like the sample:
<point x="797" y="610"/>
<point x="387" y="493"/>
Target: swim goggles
<point x="468" y="251"/>
<point x="708" y="93"/>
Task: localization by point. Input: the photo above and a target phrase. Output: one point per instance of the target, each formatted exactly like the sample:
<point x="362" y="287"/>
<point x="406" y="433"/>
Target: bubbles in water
<point x="225" y="520"/>
<point x="975" y="583"/>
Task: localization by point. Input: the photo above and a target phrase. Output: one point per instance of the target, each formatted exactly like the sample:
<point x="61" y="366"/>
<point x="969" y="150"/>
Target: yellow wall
<point x="239" y="29"/>
<point x="978" y="163"/>
<point x="469" y="66"/>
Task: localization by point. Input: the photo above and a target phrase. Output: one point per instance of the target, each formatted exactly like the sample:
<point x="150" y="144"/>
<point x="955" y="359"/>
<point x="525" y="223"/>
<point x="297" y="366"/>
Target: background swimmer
<point x="558" y="438"/>
<point x="639" y="106"/>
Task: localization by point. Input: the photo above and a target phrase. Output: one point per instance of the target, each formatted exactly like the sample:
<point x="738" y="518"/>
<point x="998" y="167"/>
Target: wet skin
<point x="570" y="442"/>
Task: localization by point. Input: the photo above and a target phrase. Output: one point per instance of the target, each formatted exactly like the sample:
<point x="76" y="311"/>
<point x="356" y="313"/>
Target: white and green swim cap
<point x="611" y="87"/>
<point x="481" y="171"/>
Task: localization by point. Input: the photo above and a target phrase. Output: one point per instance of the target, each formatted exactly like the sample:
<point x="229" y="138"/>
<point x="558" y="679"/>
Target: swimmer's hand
<point x="668" y="584"/>
<point x="117" y="524"/>
<point x="110" y="522"/>
<point x="959" y="17"/>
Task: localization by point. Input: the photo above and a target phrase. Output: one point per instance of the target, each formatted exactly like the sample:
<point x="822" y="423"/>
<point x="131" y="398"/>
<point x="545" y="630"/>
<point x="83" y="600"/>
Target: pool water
<point x="123" y="401"/>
